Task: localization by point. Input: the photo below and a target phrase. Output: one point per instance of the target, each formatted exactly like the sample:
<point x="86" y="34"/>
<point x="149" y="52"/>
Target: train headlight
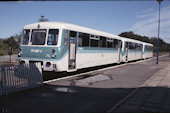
<point x="53" y="56"/>
<point x="48" y="64"/>
<point x="19" y="54"/>
<point x="22" y="62"/>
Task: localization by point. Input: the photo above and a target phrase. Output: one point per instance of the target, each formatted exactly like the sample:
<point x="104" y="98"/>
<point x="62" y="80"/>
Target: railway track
<point x="47" y="76"/>
<point x="54" y="76"/>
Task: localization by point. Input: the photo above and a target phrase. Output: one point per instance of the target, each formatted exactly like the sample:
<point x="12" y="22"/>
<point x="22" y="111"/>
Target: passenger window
<point x="73" y="36"/>
<point x="83" y="40"/>
<point x="126" y="43"/>
<point x="148" y="48"/>
<point x="66" y="37"/>
<point x="109" y="42"/>
<point x="138" y="46"/>
<point x="120" y="44"/>
<point x="132" y="45"/>
<point x="141" y="46"/>
<point x="26" y="34"/>
<point x="94" y="41"/>
<point x="102" y="41"/>
<point x="52" y="37"/>
<point x="115" y="45"/>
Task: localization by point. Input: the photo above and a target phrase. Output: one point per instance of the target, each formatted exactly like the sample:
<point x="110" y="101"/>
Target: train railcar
<point x="66" y="47"/>
<point x="147" y="50"/>
<point x="132" y="50"/>
<point x="59" y="46"/>
<point x="135" y="50"/>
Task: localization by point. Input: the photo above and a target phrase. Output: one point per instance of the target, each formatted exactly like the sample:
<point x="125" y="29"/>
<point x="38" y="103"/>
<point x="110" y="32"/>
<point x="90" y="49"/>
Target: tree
<point x="17" y="37"/>
<point x="163" y="46"/>
<point x="11" y="42"/>
<point x="2" y="44"/>
<point x="131" y="35"/>
<point x="3" y="47"/>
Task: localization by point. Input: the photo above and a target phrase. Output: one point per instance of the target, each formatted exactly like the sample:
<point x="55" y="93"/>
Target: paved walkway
<point x="6" y="59"/>
<point x="152" y="97"/>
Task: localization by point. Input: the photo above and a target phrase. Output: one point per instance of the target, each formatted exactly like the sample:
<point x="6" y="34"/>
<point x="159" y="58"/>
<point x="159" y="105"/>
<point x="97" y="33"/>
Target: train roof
<point x="131" y="40"/>
<point x="148" y="44"/>
<point x="62" y="25"/>
<point x="136" y="41"/>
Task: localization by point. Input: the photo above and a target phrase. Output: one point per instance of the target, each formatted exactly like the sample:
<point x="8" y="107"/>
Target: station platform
<point x="152" y="97"/>
<point x="141" y="86"/>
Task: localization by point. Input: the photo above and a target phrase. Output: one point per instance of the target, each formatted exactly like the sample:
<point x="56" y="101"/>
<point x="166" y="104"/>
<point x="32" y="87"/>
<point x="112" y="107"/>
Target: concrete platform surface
<point x="6" y="59"/>
<point x="152" y="97"/>
<point x="64" y="96"/>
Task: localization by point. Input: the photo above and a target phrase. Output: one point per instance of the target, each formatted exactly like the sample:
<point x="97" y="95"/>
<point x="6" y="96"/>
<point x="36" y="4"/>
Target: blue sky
<point x="114" y="17"/>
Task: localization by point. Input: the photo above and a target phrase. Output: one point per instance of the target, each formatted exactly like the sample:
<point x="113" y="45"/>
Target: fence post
<point x="0" y="81"/>
<point x="40" y="73"/>
<point x="4" y="81"/>
<point x="23" y="77"/>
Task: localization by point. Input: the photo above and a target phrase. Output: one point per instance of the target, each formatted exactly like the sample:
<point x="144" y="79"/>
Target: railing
<point x="14" y="78"/>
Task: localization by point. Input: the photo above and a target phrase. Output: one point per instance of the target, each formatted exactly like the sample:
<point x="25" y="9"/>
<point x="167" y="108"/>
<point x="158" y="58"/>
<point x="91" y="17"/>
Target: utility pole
<point x="157" y="61"/>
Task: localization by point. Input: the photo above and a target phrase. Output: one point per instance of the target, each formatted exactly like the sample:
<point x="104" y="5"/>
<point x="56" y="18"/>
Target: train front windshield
<point x="38" y="37"/>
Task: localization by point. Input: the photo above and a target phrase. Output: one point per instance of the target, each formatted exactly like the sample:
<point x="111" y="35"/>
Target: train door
<point x="72" y="50"/>
<point x="126" y="51"/>
<point x="119" y="49"/>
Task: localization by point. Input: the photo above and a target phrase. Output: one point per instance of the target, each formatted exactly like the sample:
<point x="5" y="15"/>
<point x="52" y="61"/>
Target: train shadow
<point x="54" y="75"/>
<point x="60" y="98"/>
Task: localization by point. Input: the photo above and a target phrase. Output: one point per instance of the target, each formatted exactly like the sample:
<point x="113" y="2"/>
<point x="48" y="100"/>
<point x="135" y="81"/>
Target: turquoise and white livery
<point x="66" y="47"/>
